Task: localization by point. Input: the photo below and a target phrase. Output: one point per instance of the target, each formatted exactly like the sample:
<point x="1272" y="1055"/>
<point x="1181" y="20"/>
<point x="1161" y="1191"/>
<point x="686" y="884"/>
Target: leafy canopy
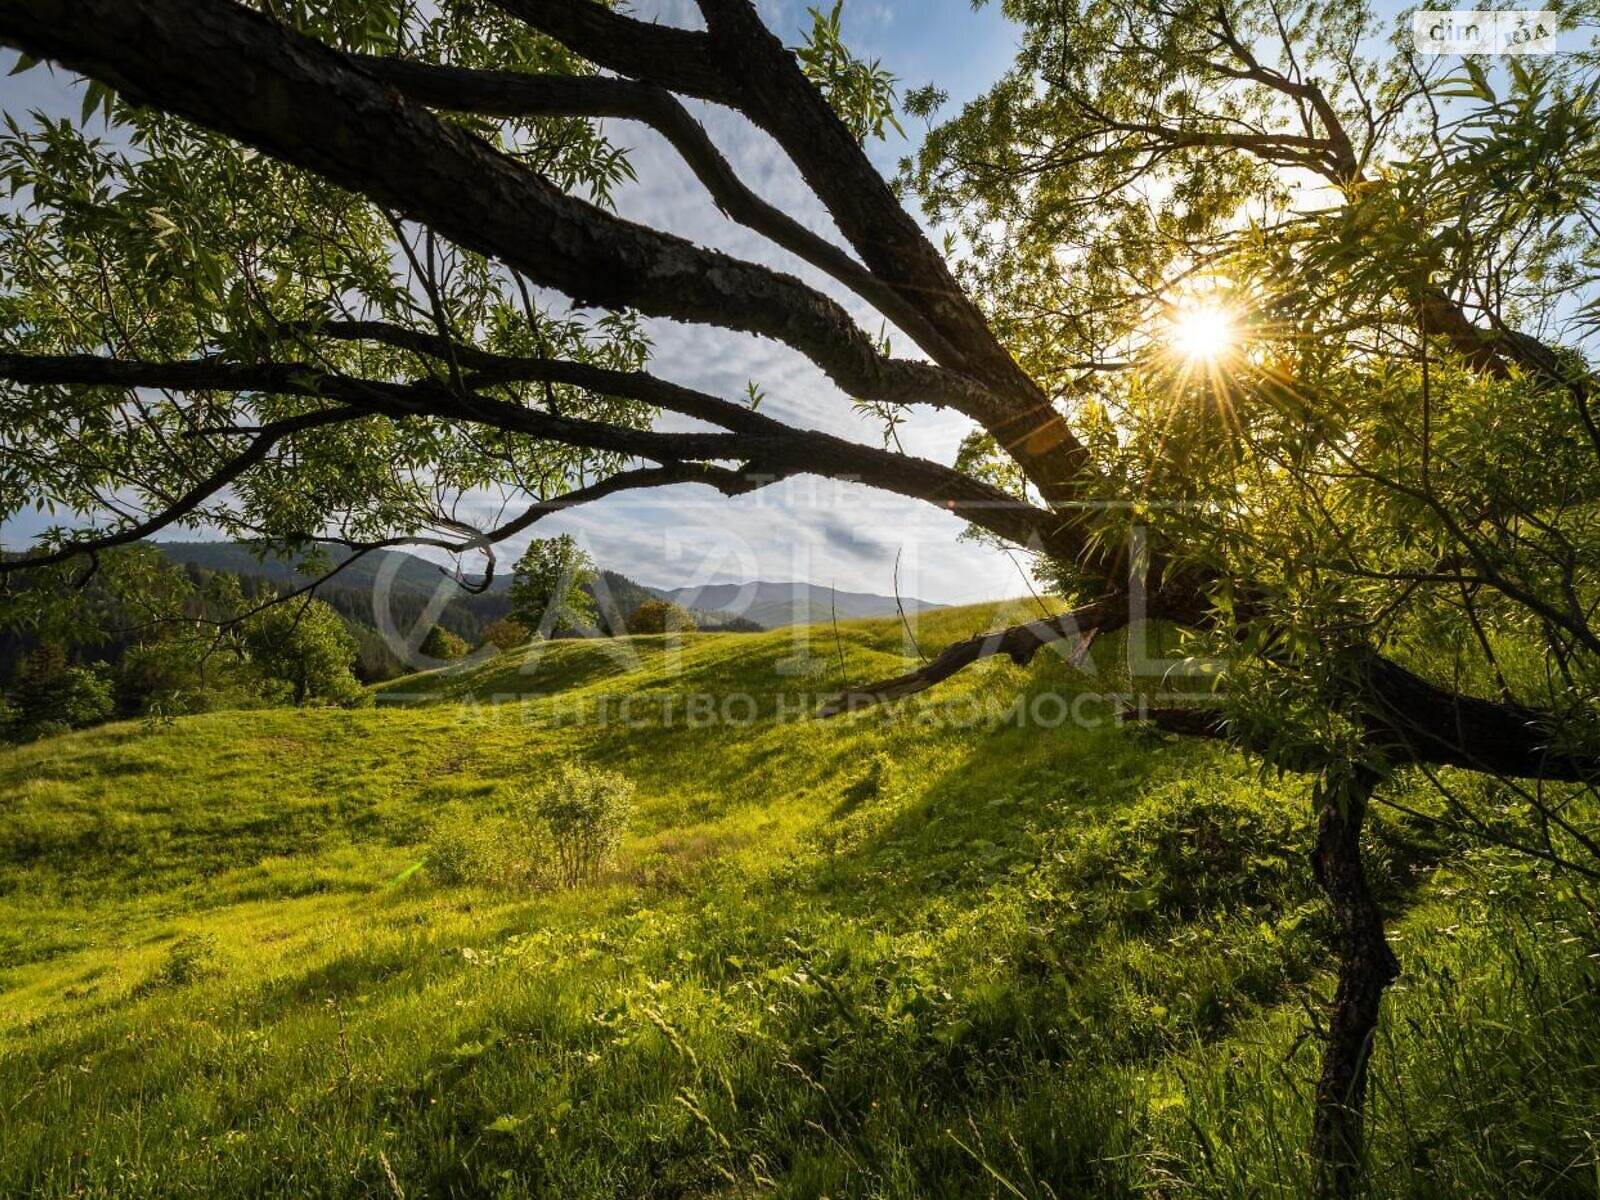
<point x="1396" y="446"/>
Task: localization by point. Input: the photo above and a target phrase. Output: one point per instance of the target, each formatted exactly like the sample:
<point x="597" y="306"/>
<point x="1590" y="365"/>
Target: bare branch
<point x="1074" y="631"/>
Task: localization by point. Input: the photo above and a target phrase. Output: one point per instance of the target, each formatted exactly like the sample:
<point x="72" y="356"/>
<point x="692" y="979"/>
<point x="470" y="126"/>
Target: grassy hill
<point x="903" y="953"/>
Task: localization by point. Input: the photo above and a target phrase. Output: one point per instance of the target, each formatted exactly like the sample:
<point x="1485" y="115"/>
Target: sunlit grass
<point x="888" y="955"/>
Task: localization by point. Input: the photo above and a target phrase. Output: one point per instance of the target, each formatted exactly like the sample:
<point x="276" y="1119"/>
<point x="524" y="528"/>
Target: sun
<point x="1203" y="333"/>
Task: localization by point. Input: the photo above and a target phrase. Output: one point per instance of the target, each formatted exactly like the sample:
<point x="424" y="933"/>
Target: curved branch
<point x="769" y="449"/>
<point x="520" y="94"/>
<point x="242" y="74"/>
<point x="1074" y="631"/>
<point x="1412" y="721"/>
<point x="267" y="437"/>
<point x="730" y="483"/>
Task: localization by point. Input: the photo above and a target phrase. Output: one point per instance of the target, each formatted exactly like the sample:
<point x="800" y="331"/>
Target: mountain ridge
<point x="770" y="603"/>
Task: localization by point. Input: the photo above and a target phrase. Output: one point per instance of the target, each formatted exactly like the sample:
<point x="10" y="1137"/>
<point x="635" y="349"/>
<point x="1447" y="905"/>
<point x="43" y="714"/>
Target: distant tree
<point x="52" y="696"/>
<point x="660" y="616"/>
<point x="506" y="634"/>
<point x="163" y="673"/>
<point x="306" y="646"/>
<point x="548" y="592"/>
<point x="441" y="643"/>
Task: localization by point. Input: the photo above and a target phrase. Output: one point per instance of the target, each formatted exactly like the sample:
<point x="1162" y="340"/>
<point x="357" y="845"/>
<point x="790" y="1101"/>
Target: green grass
<point x="885" y="955"/>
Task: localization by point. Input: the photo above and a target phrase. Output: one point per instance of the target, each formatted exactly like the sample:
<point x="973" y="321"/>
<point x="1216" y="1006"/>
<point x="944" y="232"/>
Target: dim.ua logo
<point x="1457" y="31"/>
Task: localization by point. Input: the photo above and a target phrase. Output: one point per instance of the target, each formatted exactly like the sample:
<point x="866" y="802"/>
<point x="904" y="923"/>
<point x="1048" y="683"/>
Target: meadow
<point x="893" y="954"/>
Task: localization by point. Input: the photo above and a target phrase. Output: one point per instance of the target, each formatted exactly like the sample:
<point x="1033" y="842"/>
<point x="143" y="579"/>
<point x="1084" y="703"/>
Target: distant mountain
<point x="775" y="605"/>
<point x="405" y="573"/>
<point x="411" y="580"/>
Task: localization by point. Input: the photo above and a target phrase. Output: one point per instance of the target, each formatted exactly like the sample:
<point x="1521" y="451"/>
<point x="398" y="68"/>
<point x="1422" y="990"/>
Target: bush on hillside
<point x="586" y="811"/>
<point x="488" y="850"/>
<point x="441" y="643"/>
<point x="506" y="634"/>
<point x="660" y="616"/>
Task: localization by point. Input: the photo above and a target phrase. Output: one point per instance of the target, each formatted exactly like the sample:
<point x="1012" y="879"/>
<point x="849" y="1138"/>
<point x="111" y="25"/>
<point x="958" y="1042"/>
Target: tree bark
<point x="1366" y="968"/>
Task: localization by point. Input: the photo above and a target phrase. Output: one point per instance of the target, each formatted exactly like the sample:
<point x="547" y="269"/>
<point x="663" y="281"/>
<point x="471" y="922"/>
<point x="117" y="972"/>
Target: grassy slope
<point x="878" y="956"/>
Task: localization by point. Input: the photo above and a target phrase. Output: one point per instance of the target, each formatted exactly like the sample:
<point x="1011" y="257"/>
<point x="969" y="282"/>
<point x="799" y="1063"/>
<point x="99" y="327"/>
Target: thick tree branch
<point x="679" y="59"/>
<point x="763" y="81"/>
<point x="519" y="94"/>
<point x="244" y="75"/>
<point x="768" y="448"/>
<point x="1409" y="720"/>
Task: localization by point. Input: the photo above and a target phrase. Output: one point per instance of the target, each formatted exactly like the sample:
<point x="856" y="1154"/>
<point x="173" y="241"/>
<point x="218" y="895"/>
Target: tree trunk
<point x="1366" y="967"/>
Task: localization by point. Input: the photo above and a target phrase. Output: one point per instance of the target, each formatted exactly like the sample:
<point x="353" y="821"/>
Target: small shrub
<point x="459" y="848"/>
<point x="660" y="616"/>
<point x="190" y="959"/>
<point x="441" y="643"/>
<point x="506" y="634"/>
<point x="586" y="811"/>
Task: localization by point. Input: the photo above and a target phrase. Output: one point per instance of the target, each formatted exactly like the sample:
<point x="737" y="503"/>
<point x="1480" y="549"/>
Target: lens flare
<point x="1203" y="334"/>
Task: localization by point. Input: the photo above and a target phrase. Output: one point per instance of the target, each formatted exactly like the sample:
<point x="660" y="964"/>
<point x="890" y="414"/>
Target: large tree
<point x="548" y="588"/>
<point x="1255" y="331"/>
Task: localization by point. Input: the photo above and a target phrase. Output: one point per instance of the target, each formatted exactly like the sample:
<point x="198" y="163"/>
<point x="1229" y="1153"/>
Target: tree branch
<point x="1412" y="721"/>
<point x="268" y="436"/>
<point x="768" y="448"/>
<point x="247" y="76"/>
<point x="679" y="59"/>
<point x="761" y="79"/>
<point x="1075" y="631"/>
<point x="729" y="483"/>
<point x="519" y="94"/>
